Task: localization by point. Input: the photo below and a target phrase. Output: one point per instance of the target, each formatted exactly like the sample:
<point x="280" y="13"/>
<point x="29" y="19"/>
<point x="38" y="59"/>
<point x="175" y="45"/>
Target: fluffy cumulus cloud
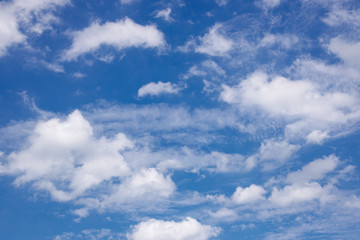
<point x="315" y="170"/>
<point x="36" y="16"/>
<point x="250" y="194"/>
<point x="273" y="153"/>
<point x="213" y="43"/>
<point x="293" y="194"/>
<point x="187" y="229"/>
<point x="303" y="186"/>
<point x="66" y="151"/>
<point x="302" y="102"/>
<point x="159" y="88"/>
<point x="145" y="189"/>
<point x="349" y="52"/>
<point x="65" y="159"/>
<point x="121" y="34"/>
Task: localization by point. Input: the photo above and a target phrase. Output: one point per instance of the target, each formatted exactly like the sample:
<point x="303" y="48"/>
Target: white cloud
<point x="221" y="2"/>
<point x="293" y="194"/>
<point x="303" y="188"/>
<point x="64" y="158"/>
<point x="213" y="43"/>
<point x="327" y="77"/>
<point x="93" y="234"/>
<point x="286" y="41"/>
<point x="338" y="16"/>
<point x="79" y="75"/>
<point x="165" y="14"/>
<point x="304" y="104"/>
<point x="315" y="170"/>
<point x="272" y="154"/>
<point x="169" y="230"/>
<point x="247" y="195"/>
<point x="224" y="214"/>
<point x="159" y="88"/>
<point x="53" y="67"/>
<point x="121" y="34"/>
<point x="349" y="52"/>
<point x="317" y="136"/>
<point x="147" y="184"/>
<point x="36" y="16"/>
<point x="206" y="68"/>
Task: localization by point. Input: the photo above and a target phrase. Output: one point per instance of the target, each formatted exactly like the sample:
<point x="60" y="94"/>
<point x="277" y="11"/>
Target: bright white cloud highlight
<point x="64" y="158"/>
<point x="121" y="34"/>
<point x="213" y="43"/>
<point x="159" y="88"/>
<point x="312" y="107"/>
<point x="317" y="136"/>
<point x="36" y="16"/>
<point x="315" y="170"/>
<point x="250" y="194"/>
<point x="303" y="188"/>
<point x="293" y="194"/>
<point x="188" y="229"/>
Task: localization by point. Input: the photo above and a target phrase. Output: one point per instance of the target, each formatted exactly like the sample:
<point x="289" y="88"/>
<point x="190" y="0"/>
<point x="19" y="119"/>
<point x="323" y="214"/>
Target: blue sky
<point x="208" y="119"/>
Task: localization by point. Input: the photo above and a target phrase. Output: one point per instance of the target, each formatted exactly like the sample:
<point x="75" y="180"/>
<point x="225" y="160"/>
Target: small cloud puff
<point x="159" y="88"/>
<point x="189" y="228"/>
<point x="164" y="14"/>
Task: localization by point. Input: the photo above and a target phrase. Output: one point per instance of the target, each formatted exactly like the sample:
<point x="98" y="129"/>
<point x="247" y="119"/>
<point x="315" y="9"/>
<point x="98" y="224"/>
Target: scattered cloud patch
<point x="164" y="14"/>
<point x="317" y="136"/>
<point x="159" y="88"/>
<point x="189" y="228"/>
<point x="269" y="4"/>
<point x="339" y="16"/>
<point x="98" y="234"/>
<point x="248" y="195"/>
<point x="53" y="67"/>
<point x="221" y="2"/>
<point x="349" y="52"/>
<point x="36" y="16"/>
<point x="315" y="170"/>
<point x="213" y="43"/>
<point x="121" y="34"/>
<point x="300" y="100"/>
<point x="79" y="75"/>
<point x="286" y="41"/>
<point x="206" y="68"/>
<point x="293" y="194"/>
